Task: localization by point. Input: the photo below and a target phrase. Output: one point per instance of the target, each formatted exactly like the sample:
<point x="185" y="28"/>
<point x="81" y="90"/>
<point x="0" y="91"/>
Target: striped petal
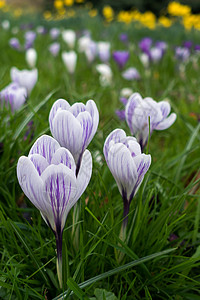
<point x="134" y="101"/>
<point x="166" y="123"/>
<point x="67" y="130"/>
<point x="63" y="156"/>
<point x="123" y="168"/>
<point x="46" y="146"/>
<point x="165" y="108"/>
<point x="92" y="109"/>
<point x="115" y="136"/>
<point x="39" y="162"/>
<point x="77" y="108"/>
<point x="60" y="104"/>
<point x="86" y="124"/>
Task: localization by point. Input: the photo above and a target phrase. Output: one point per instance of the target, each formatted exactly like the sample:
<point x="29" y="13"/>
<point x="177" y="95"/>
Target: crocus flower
<point x="121" y="113"/>
<point x="182" y="53"/>
<point x="24" y="78"/>
<point x="126" y="92"/>
<point x="105" y="74"/>
<point x="187" y="44"/>
<point x="139" y="110"/>
<point x="104" y="51"/>
<point x="155" y="54"/>
<point x="31" y="57"/>
<point x="197" y="47"/>
<point x="69" y="37"/>
<point x="30" y="37"/>
<point x="162" y="45"/>
<point x="54" y="48"/>
<point x="131" y="74"/>
<point x="123" y="37"/>
<point x="145" y="44"/>
<point x="127" y="165"/>
<point x="47" y="177"/>
<point x="74" y="126"/>
<point x="144" y="58"/>
<point x="41" y="29"/>
<point x="83" y="43"/>
<point x="14" y="43"/>
<point x="13" y="95"/>
<point x="91" y="51"/>
<point x="5" y="24"/>
<point x="54" y="33"/>
<point x="121" y="58"/>
<point x="70" y="59"/>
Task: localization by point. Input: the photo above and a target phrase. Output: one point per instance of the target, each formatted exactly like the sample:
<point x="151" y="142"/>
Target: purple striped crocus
<point x="127" y="165"/>
<point x="14" y="43"/>
<point x="14" y="96"/>
<point x="121" y="58"/>
<point x="74" y="126"/>
<point x="138" y="111"/>
<point x="47" y="177"/>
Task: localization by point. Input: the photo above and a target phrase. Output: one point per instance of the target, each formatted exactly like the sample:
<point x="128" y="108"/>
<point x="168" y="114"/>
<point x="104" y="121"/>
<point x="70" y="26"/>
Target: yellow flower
<point x="80" y="1"/>
<point x="2" y="3"/>
<point x="47" y="15"/>
<point x="176" y="9"/>
<point x="148" y="19"/>
<point x="124" y="17"/>
<point x="164" y="21"/>
<point x="58" y="4"/>
<point x="92" y="13"/>
<point x="69" y="2"/>
<point x="108" y="13"/>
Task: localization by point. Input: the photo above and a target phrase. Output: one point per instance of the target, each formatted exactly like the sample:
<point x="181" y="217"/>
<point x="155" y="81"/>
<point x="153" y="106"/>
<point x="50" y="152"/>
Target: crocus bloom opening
<point x="47" y="177"/>
<point x="74" y="126"/>
<point x="30" y="37"/>
<point x="127" y="164"/>
<point x="70" y="59"/>
<point x="139" y="110"/>
<point x="54" y="33"/>
<point x="14" y="95"/>
<point x="121" y="58"/>
<point x="145" y="44"/>
<point x="24" y="78"/>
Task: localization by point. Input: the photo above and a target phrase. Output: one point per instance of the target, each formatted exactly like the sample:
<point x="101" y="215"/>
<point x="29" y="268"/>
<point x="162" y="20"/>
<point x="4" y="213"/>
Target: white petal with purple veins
<point x="63" y="156"/>
<point x="123" y="168"/>
<point x="59" y="104"/>
<point x="117" y="136"/>
<point x="77" y="108"/>
<point x="67" y="130"/>
<point x="45" y="146"/>
<point x="165" y="108"/>
<point x="166" y="123"/>
<point x="39" y="162"/>
<point x="92" y="109"/>
<point x="84" y="174"/>
<point x="86" y="124"/>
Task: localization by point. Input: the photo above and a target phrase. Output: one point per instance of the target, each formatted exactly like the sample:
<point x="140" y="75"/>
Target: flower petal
<point x="165" y="108"/>
<point x="84" y="174"/>
<point x="63" y="156"/>
<point x="115" y="136"/>
<point x="67" y="130"/>
<point x="39" y="162"/>
<point x="77" y="108"/>
<point x="58" y="105"/>
<point x="59" y="191"/>
<point x="45" y="146"/>
<point x="123" y="169"/>
<point x="30" y="181"/>
<point x="143" y="163"/>
<point x="92" y="109"/>
<point x="86" y="124"/>
<point x="166" y="123"/>
<point x="134" y="101"/>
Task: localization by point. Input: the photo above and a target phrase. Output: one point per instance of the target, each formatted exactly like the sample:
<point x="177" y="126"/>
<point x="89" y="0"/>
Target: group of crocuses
<point x="15" y="94"/>
<point x="58" y="169"/>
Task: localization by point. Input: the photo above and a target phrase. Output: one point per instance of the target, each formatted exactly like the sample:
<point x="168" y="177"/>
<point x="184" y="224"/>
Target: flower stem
<point x="59" y="256"/>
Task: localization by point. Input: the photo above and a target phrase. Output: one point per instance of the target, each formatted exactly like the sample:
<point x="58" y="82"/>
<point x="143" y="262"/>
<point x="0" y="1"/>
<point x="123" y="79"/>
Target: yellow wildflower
<point x="124" y="17"/>
<point x="148" y="19"/>
<point x="80" y="1"/>
<point x="47" y="15"/>
<point x="69" y="2"/>
<point x="2" y="3"/>
<point x="58" y="4"/>
<point x="176" y="9"/>
<point x="164" y="21"/>
<point x="108" y="13"/>
<point x="92" y="13"/>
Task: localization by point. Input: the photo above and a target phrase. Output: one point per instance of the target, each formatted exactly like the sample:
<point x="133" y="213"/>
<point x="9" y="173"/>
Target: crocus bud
<point x="14" y="43"/>
<point x="131" y="74"/>
<point x="54" y="49"/>
<point x="70" y="59"/>
<point x="104" y="51"/>
<point x="69" y="37"/>
<point x="31" y="57"/>
<point x="105" y="74"/>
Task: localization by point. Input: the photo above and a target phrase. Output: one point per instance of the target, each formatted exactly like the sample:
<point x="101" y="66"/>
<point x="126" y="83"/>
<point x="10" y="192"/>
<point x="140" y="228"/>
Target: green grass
<point x="155" y="266"/>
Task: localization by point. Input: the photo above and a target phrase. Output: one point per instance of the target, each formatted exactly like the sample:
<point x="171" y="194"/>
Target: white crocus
<point x="31" y="57"/>
<point x="69" y="37"/>
<point x="70" y="59"/>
